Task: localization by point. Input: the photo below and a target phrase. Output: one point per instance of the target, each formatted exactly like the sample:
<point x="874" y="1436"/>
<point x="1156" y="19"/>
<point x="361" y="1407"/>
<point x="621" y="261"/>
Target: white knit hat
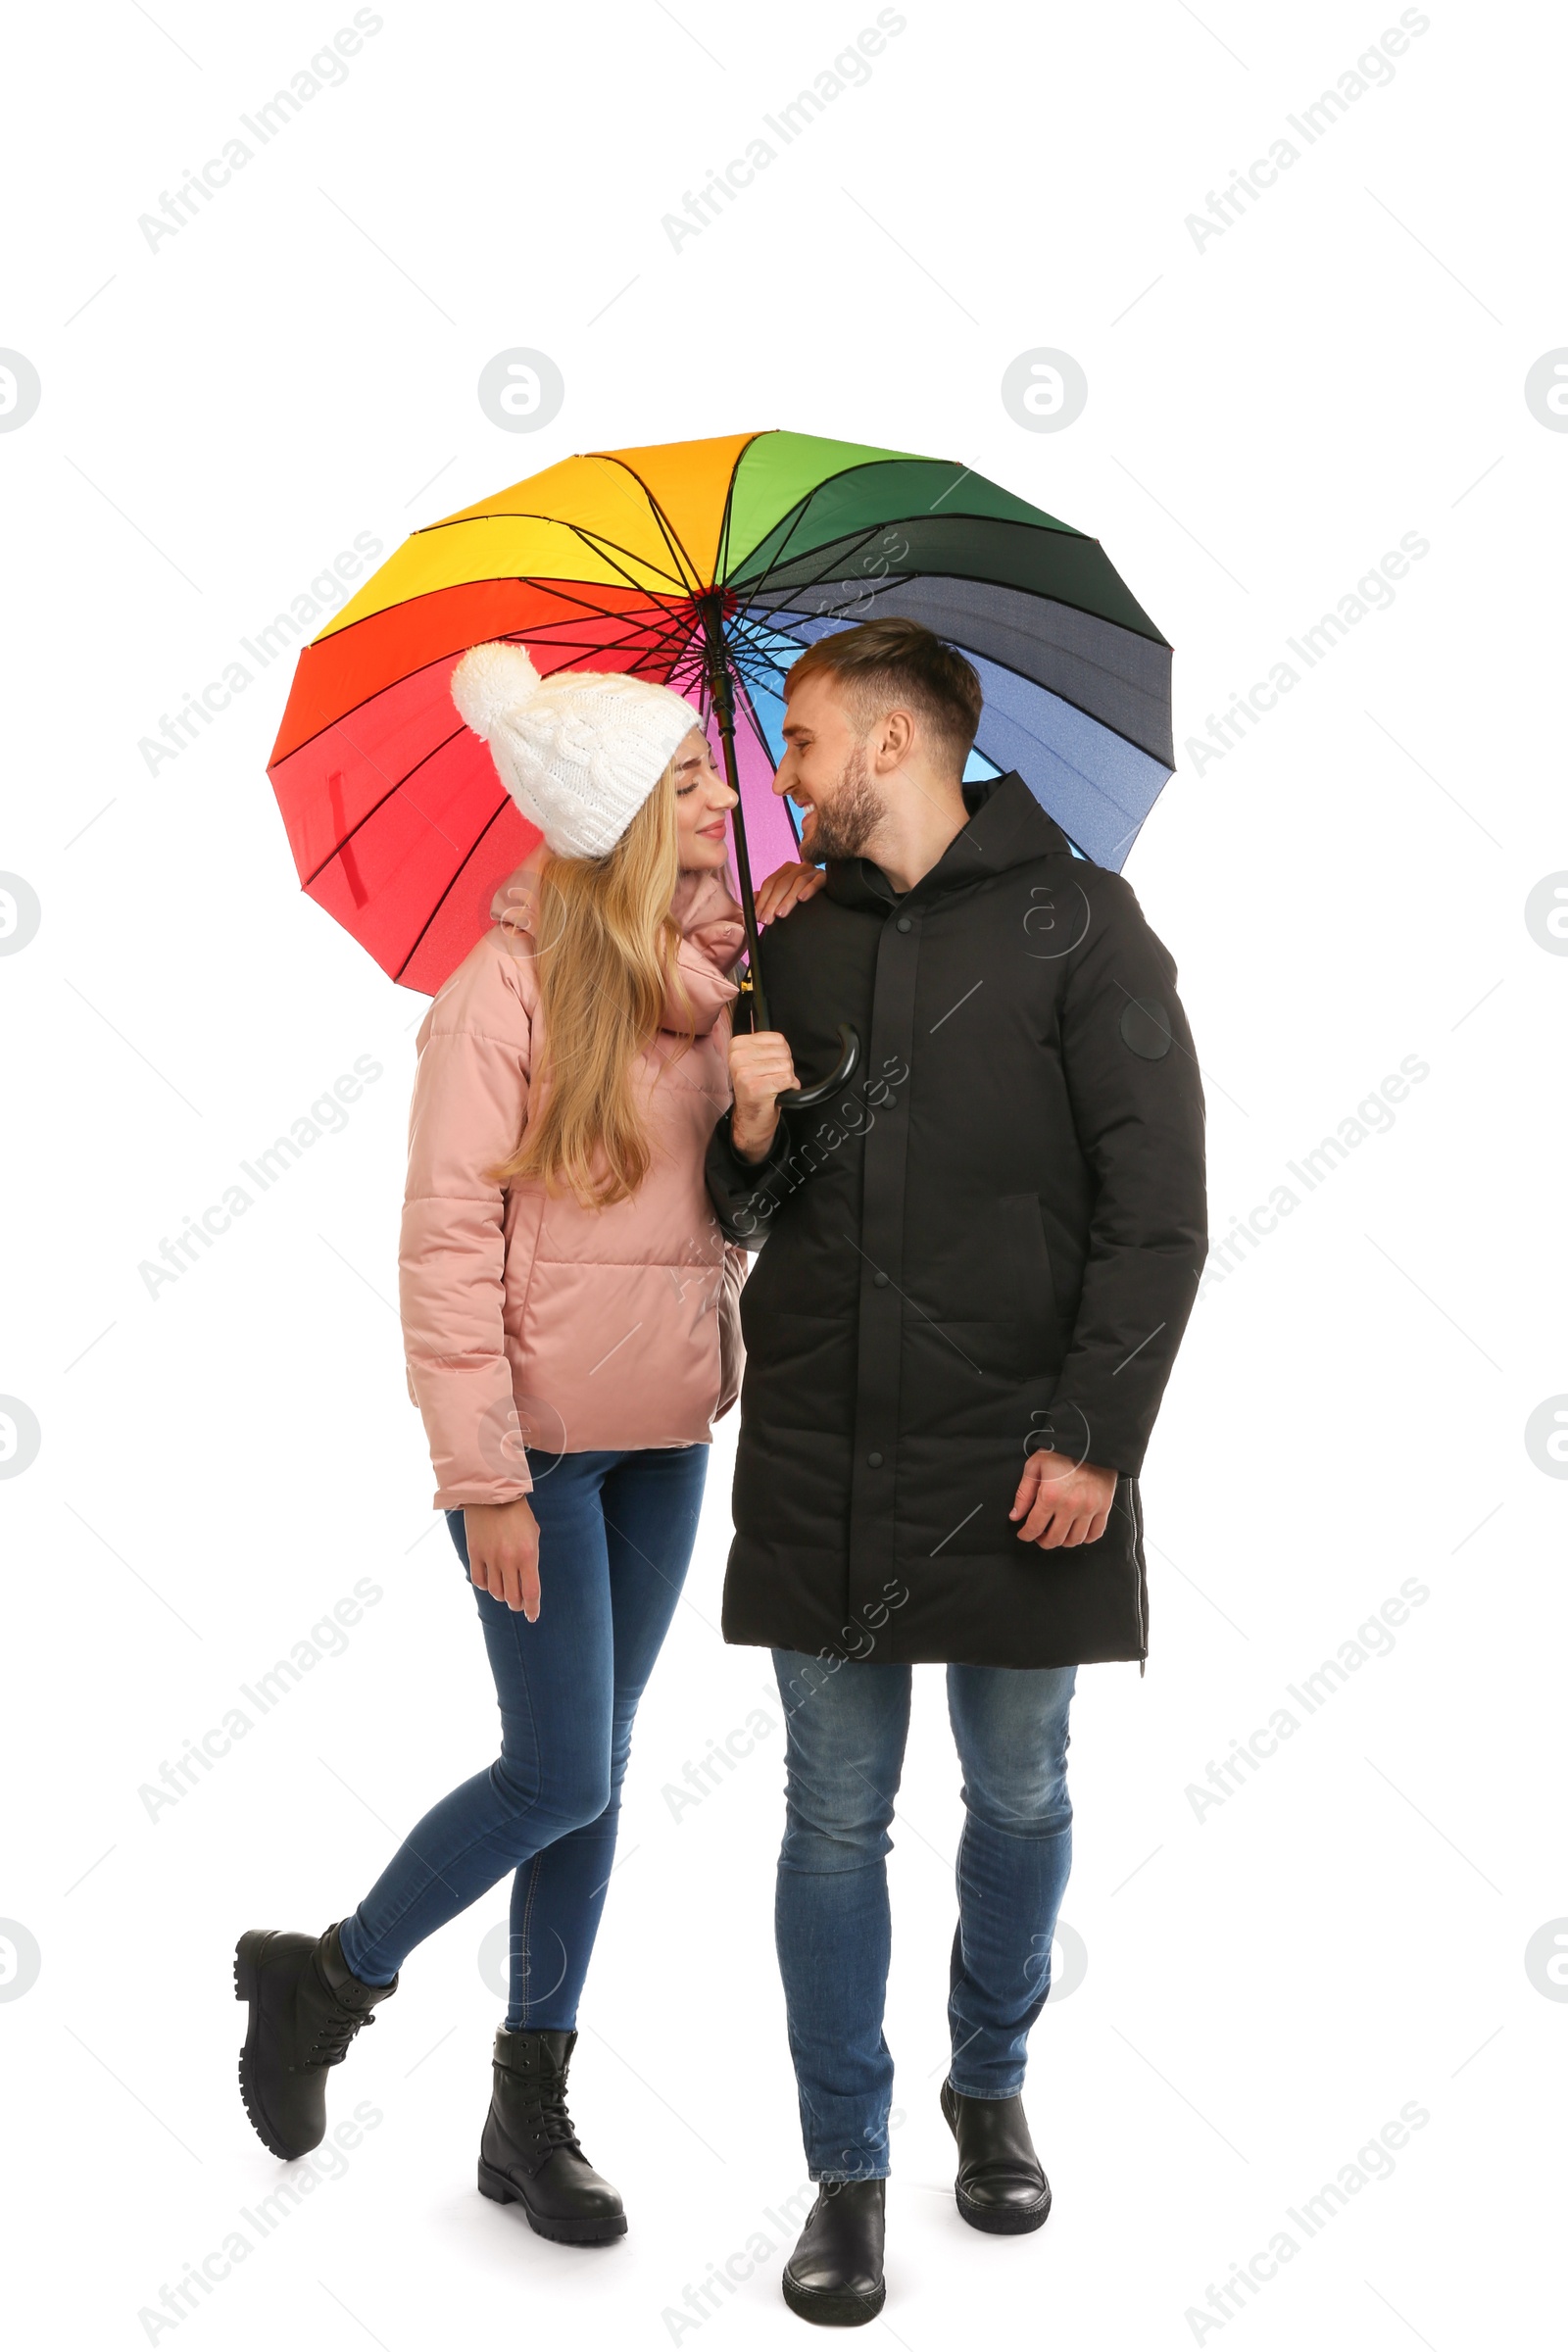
<point x="581" y="751"/>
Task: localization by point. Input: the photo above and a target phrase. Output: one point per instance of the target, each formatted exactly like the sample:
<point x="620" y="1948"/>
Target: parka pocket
<point x="1031" y="1303"/>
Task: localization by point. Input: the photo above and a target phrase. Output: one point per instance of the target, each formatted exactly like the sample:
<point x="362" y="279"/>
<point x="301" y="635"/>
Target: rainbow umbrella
<point x="707" y="565"/>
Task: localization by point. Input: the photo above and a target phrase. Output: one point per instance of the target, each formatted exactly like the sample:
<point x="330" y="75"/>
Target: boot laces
<point x="335" y="2033"/>
<point x="552" y="2126"/>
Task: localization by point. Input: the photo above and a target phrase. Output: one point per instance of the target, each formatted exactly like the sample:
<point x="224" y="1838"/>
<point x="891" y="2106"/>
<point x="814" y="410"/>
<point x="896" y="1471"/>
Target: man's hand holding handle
<point x="761" y="1070"/>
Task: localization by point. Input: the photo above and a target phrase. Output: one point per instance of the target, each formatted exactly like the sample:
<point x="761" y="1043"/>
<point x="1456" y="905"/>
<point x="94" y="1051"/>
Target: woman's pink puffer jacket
<point x="529" y="1320"/>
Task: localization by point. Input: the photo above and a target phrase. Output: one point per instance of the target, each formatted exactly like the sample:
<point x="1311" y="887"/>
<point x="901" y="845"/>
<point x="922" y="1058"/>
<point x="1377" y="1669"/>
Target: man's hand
<point x="504" y="1552"/>
<point x="1062" y="1503"/>
<point x="759" y="1071"/>
<point x="789" y="885"/>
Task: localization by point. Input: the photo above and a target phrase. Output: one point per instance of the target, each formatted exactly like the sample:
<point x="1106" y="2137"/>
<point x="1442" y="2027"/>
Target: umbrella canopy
<point x="666" y="560"/>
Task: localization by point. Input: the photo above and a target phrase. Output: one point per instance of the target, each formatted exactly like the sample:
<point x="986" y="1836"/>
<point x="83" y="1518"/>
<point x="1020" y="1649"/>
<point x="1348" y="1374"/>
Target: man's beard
<point x="844" y="829"/>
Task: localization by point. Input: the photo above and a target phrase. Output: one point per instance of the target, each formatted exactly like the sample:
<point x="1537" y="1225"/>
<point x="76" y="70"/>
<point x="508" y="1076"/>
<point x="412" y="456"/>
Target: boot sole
<point x="594" y="2230"/>
<point x="247" y="1989"/>
<point x="825" y="2308"/>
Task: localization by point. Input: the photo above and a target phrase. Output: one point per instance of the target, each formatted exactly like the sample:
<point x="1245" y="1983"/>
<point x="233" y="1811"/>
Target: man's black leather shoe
<point x="833" y="2276"/>
<point x="1001" y="2186"/>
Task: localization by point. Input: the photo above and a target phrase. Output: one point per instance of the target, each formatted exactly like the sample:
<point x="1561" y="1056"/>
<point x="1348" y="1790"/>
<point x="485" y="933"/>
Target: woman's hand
<point x="788" y="886"/>
<point x="504" y="1552"/>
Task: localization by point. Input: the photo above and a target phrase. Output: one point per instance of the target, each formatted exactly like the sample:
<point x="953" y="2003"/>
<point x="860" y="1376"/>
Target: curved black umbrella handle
<point x="802" y="1098"/>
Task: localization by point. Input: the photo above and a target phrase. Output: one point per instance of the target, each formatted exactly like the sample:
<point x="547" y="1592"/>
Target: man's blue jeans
<point x="615" y="1536"/>
<point x="846" y="1727"/>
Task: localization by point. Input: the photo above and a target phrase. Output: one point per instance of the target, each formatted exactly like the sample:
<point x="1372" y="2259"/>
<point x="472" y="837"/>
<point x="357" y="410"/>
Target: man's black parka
<point x="986" y="1242"/>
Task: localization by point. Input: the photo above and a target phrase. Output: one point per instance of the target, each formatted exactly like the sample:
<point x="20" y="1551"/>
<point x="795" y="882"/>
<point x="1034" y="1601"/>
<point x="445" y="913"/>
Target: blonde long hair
<point x="605" y="953"/>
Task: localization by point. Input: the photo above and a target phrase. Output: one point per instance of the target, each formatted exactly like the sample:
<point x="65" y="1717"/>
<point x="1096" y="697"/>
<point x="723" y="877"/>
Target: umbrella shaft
<point x="723" y="700"/>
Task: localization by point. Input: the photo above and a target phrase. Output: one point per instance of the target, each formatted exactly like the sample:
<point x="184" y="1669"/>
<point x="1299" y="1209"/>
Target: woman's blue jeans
<point x="616" y="1538"/>
<point x="846" y="1725"/>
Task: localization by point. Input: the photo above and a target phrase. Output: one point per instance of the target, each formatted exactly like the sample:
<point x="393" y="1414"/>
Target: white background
<point x="1267" y="413"/>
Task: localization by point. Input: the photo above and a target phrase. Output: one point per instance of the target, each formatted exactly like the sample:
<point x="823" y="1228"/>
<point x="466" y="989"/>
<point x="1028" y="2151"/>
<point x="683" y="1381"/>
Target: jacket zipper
<point x="1142" y="1571"/>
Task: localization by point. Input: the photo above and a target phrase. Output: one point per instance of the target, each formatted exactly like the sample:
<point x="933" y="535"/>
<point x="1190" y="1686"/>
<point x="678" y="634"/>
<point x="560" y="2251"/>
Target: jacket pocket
<point x="1031" y="1305"/>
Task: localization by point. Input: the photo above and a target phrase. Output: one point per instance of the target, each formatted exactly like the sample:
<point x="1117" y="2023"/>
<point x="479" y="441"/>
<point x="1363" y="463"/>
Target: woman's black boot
<point x="833" y="2276"/>
<point x="1002" y="2185"/>
<point x="529" y="2154"/>
<point x="306" y="2007"/>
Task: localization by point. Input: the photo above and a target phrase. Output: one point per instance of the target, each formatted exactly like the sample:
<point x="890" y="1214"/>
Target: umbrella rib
<point x="505" y="803"/>
<point x="662" y="629"/>
<point x="836" y="611"/>
<point x="851" y="542"/>
<point x="1093" y="783"/>
<point x="572" y="592"/>
<point x="951" y="638"/>
<point x="544" y="581"/>
<point x="609" y="548"/>
<point x="799" y="512"/>
<point x="672" y="538"/>
<point x="752" y="670"/>
<point x="657" y="616"/>
<point x="849" y="546"/>
<point x="721" y="557"/>
<point x="749" y="632"/>
<point x="602" y="552"/>
<point x="756" y="671"/>
<point x="589" y="646"/>
<point x="393" y="784"/>
<point x="641" y="619"/>
<point x="797" y="519"/>
<point x="674" y="630"/>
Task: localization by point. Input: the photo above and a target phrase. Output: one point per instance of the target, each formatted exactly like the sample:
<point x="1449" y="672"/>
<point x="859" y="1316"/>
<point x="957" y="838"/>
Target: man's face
<point x="826" y="774"/>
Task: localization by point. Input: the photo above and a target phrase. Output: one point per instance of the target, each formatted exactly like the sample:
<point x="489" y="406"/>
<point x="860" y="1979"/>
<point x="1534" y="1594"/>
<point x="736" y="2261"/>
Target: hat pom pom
<point x="490" y="681"/>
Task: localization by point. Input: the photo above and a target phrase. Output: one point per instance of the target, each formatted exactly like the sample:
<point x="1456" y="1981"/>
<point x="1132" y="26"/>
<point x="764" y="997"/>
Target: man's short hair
<point x="884" y="663"/>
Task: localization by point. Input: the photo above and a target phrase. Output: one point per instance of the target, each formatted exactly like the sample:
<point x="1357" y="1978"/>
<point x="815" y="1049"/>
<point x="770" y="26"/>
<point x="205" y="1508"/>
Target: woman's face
<point x="701" y="801"/>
